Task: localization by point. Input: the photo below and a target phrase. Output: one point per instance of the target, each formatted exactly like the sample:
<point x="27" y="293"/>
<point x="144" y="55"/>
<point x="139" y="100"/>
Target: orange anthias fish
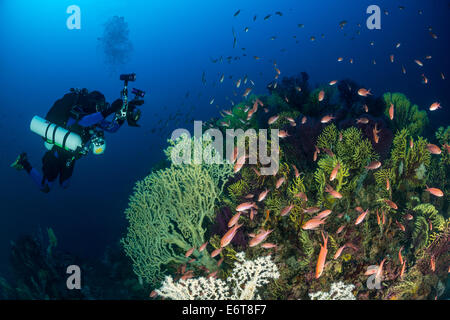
<point x="402" y="271"/>
<point x="435" y="106"/>
<point x="317" y="149"/>
<point x="361" y="217"/>
<point x="433" y="263"/>
<point x="291" y="120"/>
<point x="153" y="294"/>
<point x="400" y="258"/>
<point x="260" y="237"/>
<point x="268" y="245"/>
<point x="332" y="83"/>
<point x="391" y="204"/>
<point x="256" y="172"/>
<point x="364" y="92"/>
<point x="297" y="174"/>
<point x="340" y="229"/>
<point x="323" y="214"/>
<point x="283" y="134"/>
<point x="263" y="195"/>
<point x="272" y="119"/>
<point x="373" y="165"/>
<point x="434" y="149"/>
<point x="286" y="210"/>
<point x="203" y="246"/>
<point x="321" y="95"/>
<point x="322" y="257"/>
<point x="327" y="119"/>
<point x="302" y="196"/>
<point x="391" y="112"/>
<point x="388" y="185"/>
<point x="391" y="57"/>
<point x="435" y="191"/>
<point x="234" y="219"/>
<point x="216" y="252"/>
<point x="245" y="206"/>
<point x="335" y="171"/>
<point x="229" y="235"/>
<point x="252" y="213"/>
<point x="239" y="163"/>
<point x="233" y="156"/>
<point x="279" y="182"/>
<point x="362" y="120"/>
<point x="312" y="224"/>
<point x="339" y="252"/>
<point x="311" y="210"/>
<point x="304" y="120"/>
<point x="379" y="274"/>
<point x="419" y="63"/>
<point x="333" y="192"/>
<point x="375" y="132"/>
<point x="212" y="274"/>
<point x="189" y="252"/>
<point x="408" y="217"/>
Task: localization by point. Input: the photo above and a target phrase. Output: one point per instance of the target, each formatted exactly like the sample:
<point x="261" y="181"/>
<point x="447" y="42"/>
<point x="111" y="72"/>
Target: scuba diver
<point x="74" y="126"/>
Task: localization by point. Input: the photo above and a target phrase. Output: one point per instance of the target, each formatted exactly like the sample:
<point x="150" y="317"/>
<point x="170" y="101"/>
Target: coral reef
<point x="247" y="277"/>
<point x="165" y="215"/>
<point x="348" y="180"/>
<point x="338" y="291"/>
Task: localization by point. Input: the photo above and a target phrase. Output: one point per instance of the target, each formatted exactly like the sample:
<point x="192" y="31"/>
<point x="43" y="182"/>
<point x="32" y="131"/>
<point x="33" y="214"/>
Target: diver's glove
<point x="114" y="108"/>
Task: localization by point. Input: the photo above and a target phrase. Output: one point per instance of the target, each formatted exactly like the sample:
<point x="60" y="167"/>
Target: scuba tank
<point x="65" y="139"/>
<point x="76" y="139"/>
<point x="56" y="135"/>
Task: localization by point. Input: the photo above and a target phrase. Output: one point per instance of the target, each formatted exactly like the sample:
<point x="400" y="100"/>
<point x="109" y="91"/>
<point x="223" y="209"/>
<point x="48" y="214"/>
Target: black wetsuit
<point x="59" y="162"/>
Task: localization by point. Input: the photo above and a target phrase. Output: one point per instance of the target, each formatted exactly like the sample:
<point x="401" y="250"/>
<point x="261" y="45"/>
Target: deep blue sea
<point x="175" y="42"/>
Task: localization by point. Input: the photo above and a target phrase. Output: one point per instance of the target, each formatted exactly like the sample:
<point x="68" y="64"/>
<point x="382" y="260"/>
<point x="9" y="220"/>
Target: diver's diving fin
<point x="18" y="164"/>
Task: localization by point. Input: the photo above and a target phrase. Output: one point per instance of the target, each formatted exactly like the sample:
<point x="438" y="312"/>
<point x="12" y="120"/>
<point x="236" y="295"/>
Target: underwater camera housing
<point x="130" y="110"/>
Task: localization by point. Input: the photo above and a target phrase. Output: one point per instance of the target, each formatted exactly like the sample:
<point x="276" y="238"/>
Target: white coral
<point x="338" y="291"/>
<point x="246" y="278"/>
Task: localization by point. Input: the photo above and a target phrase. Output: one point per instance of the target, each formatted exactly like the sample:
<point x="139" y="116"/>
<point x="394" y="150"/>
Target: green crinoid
<point x="406" y="115"/>
<point x="410" y="165"/>
<point x="353" y="149"/>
